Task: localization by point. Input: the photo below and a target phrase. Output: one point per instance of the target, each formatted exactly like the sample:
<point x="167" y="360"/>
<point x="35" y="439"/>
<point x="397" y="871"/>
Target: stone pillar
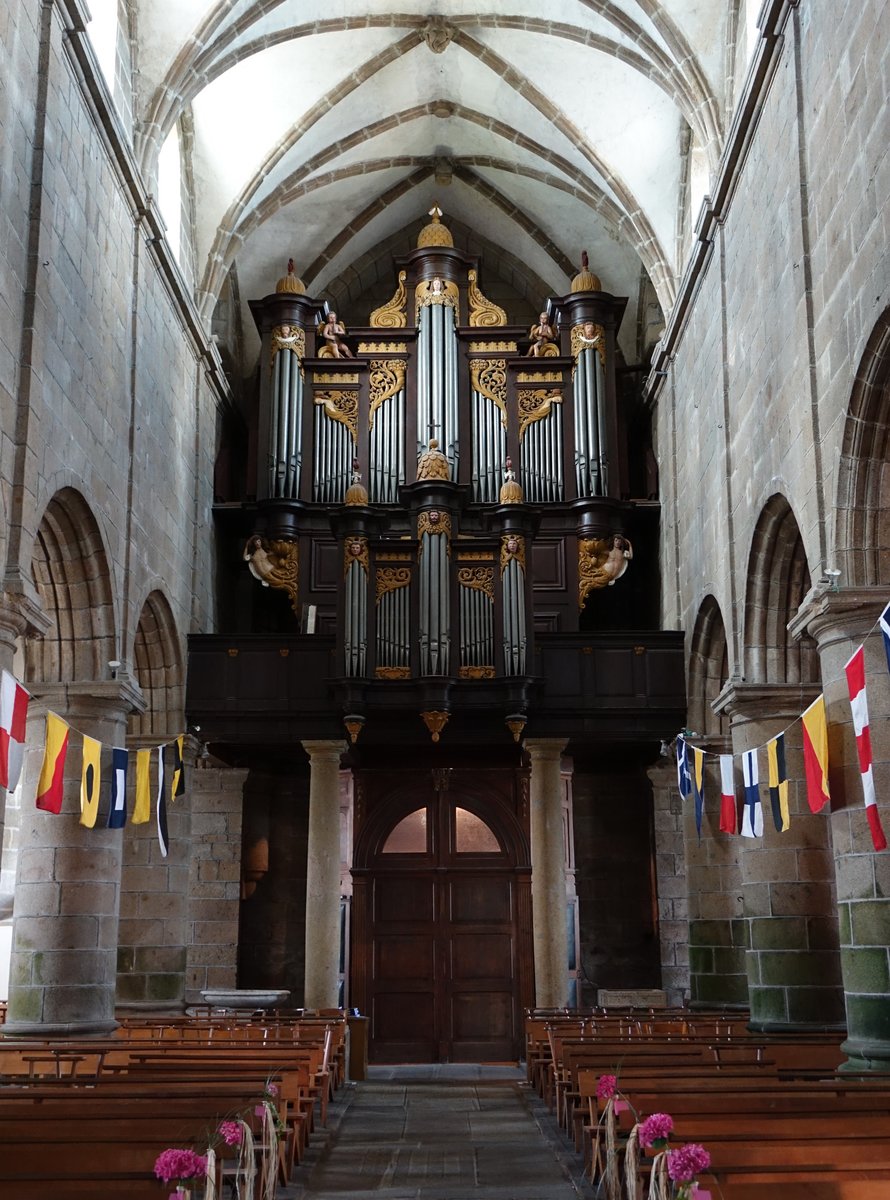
<point x="840" y="622"/>
<point x="323" y="875"/>
<point x="670" y="883"/>
<point x="548" y="872"/>
<point x="65" y="915"/>
<point x="793" y="958"/>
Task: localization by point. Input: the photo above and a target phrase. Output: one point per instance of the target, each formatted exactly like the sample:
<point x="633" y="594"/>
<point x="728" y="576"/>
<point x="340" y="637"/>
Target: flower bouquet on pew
<point x="604" y="1168"/>
<point x="183" y="1169"/>
<point x="673" y="1171"/>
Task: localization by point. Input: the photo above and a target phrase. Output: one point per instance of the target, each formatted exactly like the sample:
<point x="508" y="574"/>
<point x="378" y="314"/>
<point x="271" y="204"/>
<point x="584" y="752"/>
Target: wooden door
<point x="439" y="902"/>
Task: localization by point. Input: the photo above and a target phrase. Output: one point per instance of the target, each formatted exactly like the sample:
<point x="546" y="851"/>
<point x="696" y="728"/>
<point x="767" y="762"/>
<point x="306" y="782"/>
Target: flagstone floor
<point x="445" y="1132"/>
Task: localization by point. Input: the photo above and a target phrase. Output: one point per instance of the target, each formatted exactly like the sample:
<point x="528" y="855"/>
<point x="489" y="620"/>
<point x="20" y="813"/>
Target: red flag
<point x="815" y="754"/>
<point x="50" y="785"/>
<point x="727" y="795"/>
<point x="13" y="719"/>
<point x="855" y="671"/>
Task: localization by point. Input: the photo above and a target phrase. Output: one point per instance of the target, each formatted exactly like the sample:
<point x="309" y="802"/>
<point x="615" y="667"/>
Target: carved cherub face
<point x="589" y="329"/>
<point x="543" y="319"/>
<point x="284" y="331"/>
<point x="355" y="549"/>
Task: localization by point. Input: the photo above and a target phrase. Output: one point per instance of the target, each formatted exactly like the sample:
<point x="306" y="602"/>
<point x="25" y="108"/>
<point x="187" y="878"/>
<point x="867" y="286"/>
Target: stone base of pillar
<point x="727" y="1007"/>
<point x="865" y="1055"/>
<point x="756" y="1026"/>
<point x="65" y="1029"/>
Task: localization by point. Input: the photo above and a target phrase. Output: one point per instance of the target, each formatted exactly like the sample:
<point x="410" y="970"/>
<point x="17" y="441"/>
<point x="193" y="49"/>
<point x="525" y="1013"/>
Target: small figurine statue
<point x="334" y="335"/>
<point x="543" y="337"/>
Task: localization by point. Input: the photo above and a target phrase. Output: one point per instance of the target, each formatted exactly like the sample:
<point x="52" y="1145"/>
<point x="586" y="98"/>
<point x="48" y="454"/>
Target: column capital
<point x="662" y="774"/>
<point x="545" y="749"/>
<point x="331" y="751"/>
<point x="21" y="613"/>
<point x="744" y="702"/>
<point x="829" y="616"/>
<point x="98" y="698"/>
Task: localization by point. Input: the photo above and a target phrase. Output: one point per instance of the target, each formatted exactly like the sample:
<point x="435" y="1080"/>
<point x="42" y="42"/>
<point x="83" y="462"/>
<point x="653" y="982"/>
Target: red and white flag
<point x="727" y="795"/>
<point x="13" y="719"/>
<point x="855" y="671"/>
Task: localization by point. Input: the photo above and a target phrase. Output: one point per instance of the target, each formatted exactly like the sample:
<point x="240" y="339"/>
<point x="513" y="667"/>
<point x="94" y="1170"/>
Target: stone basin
<point x="245" y="997"/>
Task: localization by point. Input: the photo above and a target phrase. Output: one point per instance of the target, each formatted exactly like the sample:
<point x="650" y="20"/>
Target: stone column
<point x="670" y="883"/>
<point x="323" y="875"/>
<point x="841" y="621"/>
<point x="793" y="958"/>
<point x="65" y="915"/>
<point x="548" y="872"/>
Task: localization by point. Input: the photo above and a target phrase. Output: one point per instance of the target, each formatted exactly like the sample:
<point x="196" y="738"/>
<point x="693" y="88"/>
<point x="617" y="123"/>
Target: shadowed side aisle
<point x="447" y="1132"/>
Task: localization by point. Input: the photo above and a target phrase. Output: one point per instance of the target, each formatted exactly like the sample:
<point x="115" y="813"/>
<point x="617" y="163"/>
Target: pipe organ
<point x="469" y="473"/>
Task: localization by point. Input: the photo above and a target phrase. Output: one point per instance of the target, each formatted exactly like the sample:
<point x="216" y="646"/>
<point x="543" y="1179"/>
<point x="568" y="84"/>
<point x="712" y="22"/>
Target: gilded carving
<point x="393" y="314"/>
<point x="355" y="551"/>
<point x="389" y="556"/>
<point x="589" y="336"/>
<point x="489" y="378"/>
<point x="383" y="347"/>
<point x="433" y="464"/>
<point x="336" y="377"/>
<point x="474" y="556"/>
<point x="479" y="578"/>
<point x="482" y="311"/>
<point x="512" y="550"/>
<point x="435" y="722"/>
<point x="387" y="376"/>
<point x="390" y="579"/>
<point x="288" y="337"/>
<point x="392" y="672"/>
<point x="494" y="347"/>
<point x="275" y="563"/>
<point x="476" y="673"/>
<point x="435" y="291"/>
<point x="341" y="406"/>
<point x="539" y="377"/>
<point x="535" y="403"/>
<point x="434" y="522"/>
<point x="600" y="562"/>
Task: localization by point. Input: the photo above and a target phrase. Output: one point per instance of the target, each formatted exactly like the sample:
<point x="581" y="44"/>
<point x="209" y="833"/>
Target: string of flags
<point x="690" y="763"/>
<point x="14" y="701"/>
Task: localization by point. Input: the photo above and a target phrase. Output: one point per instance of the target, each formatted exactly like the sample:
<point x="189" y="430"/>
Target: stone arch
<point x="73" y="579"/>
<point x="708" y="670"/>
<point x="778" y="581"/>
<point x="863" y="501"/>
<point x="157" y="666"/>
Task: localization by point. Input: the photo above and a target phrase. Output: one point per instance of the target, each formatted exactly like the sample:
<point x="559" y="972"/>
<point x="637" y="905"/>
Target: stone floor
<point x="445" y="1132"/>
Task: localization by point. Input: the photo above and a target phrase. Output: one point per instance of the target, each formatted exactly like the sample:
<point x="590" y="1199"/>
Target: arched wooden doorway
<point x="441" y="946"/>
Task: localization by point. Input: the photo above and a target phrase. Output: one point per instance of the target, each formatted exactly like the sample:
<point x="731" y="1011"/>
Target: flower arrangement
<point x="231" y="1132"/>
<point x="683" y="1164"/>
<point x="180" y="1166"/>
<point x="673" y="1170"/>
<point x="655" y="1131"/>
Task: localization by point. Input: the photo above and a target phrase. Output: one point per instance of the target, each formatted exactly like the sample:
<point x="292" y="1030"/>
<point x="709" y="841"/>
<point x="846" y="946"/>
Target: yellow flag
<point x="51" y="785"/>
<point x="142" y="809"/>
<point x="90" y="780"/>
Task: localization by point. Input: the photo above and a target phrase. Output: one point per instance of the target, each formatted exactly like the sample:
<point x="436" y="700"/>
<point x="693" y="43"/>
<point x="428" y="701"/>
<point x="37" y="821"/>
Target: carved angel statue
<point x="543" y="337"/>
<point x="333" y="334"/>
<point x="274" y="563"/>
<point x="608" y="560"/>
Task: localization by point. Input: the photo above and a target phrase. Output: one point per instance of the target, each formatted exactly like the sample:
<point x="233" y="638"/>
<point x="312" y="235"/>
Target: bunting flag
<point x="778" y="782"/>
<point x="684" y="779"/>
<point x="884" y="622"/>
<point x="162" y="803"/>
<point x="855" y="672"/>
<point x="727" y="795"/>
<point x="752" y="817"/>
<point x="117" y="809"/>
<point x="90" y="781"/>
<point x="815" y="754"/>
<point x="142" y="807"/>
<point x="13" y="719"/>
<point x="177" y="783"/>
<point x="50" y="784"/>
<point x="698" y="785"/>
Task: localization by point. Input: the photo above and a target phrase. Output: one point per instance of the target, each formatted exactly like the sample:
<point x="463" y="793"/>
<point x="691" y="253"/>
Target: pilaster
<point x="548" y="872"/>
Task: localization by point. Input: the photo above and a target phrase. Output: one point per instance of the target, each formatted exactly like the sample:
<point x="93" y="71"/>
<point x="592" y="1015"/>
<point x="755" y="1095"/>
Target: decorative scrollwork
<point x="600" y="562"/>
<point x="392" y="672"/>
<point x="390" y="579"/>
<point x="512" y="550"/>
<point x="589" y="337"/>
<point x="535" y="403"/>
<point x="288" y="337"/>
<point x="483" y="312"/>
<point x="475" y="673"/>
<point x="383" y="347"/>
<point x="355" y="551"/>
<point x="435" y="722"/>
<point x="393" y="314"/>
<point x="494" y="347"/>
<point x="489" y="378"/>
<point x="481" y="579"/>
<point x="435" y="291"/>
<point x="275" y="563"/>
<point x="387" y="376"/>
<point x="341" y="406"/>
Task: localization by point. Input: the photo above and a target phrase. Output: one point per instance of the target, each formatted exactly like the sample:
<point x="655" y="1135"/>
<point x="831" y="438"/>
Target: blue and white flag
<point x="117" y="812"/>
<point x="162" y="804"/>
<point x="752" y="814"/>
<point x="884" y="622"/>
<point x="684" y="775"/>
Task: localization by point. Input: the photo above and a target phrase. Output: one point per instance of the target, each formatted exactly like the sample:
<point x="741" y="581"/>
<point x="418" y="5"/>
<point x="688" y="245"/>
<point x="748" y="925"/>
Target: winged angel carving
<point x="275" y="563"/>
<point x="600" y="562"/>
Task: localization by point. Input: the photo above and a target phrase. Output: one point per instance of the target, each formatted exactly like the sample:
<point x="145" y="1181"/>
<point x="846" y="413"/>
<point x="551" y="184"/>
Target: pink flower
<point x="607" y="1086"/>
<point x="271" y="1089"/>
<point x="656" y="1128"/>
<point x="259" y="1110"/>
<point x="231" y="1132"/>
<point x="180" y="1164"/>
<point x="686" y="1162"/>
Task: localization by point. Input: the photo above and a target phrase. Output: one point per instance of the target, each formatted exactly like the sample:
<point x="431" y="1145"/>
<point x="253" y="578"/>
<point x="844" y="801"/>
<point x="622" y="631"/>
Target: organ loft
<point x="437" y="570"/>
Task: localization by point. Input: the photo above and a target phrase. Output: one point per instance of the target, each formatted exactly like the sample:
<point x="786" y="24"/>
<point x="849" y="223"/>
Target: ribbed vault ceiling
<point x="322" y="131"/>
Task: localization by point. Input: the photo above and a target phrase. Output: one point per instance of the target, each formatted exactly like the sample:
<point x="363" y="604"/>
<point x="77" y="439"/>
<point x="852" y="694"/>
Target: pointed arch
<point x="72" y="577"/>
<point x="778" y="581"/>
<point x="708" y="670"/>
<point x="863" y="500"/>
<point x="157" y="666"/>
